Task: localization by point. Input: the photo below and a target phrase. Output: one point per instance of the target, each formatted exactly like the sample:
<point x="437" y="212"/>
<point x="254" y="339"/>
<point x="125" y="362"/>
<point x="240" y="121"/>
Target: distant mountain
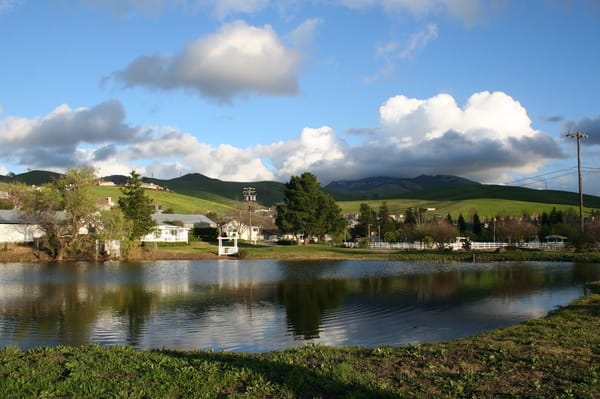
<point x="435" y="188"/>
<point x="33" y="177"/>
<point x="390" y="187"/>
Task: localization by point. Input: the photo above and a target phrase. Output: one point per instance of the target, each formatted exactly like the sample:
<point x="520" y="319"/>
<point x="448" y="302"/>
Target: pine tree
<point x="137" y="207"/>
<point x="307" y="211"/>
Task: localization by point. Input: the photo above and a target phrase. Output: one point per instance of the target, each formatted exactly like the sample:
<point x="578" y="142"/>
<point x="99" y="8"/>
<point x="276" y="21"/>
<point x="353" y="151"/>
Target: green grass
<point x="484" y="207"/>
<point x="557" y="356"/>
<point x="179" y="203"/>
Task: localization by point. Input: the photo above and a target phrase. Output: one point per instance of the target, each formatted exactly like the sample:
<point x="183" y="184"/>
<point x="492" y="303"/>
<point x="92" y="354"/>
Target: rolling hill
<point x="448" y="194"/>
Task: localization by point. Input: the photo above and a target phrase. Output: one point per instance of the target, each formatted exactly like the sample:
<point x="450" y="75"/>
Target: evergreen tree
<point x="462" y="225"/>
<point x="477" y="226"/>
<point x="308" y="211"/>
<point x="136" y="207"/>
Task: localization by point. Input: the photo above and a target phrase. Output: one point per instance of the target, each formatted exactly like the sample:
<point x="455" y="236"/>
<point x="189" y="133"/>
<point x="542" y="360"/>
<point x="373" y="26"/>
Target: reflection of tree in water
<point x="63" y="313"/>
<point x="307" y="300"/>
<point x="134" y="303"/>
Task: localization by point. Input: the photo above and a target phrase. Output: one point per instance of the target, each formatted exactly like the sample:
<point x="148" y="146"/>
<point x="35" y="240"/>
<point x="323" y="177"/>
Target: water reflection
<point x="268" y="305"/>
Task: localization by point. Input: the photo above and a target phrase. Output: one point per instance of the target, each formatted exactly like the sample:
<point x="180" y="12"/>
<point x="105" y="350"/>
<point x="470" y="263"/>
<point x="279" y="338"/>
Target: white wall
<point x="20" y="233"/>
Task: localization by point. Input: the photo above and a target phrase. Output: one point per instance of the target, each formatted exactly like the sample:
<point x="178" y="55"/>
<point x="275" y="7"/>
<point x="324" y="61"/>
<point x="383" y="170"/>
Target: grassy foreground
<point x="556" y="356"/>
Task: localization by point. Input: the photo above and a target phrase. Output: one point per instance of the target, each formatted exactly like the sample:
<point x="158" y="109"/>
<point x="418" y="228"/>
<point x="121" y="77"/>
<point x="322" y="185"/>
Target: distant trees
<point x="308" y="211"/>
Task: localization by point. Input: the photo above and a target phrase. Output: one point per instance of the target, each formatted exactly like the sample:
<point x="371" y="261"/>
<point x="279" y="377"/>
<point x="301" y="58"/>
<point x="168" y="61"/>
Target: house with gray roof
<point x="15" y="228"/>
<point x="186" y="220"/>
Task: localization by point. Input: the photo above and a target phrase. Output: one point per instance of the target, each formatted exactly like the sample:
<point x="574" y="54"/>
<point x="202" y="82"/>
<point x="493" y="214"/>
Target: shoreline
<point x="207" y="251"/>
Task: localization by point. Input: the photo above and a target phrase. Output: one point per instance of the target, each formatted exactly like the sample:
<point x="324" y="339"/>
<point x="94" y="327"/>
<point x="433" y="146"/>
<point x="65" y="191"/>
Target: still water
<point x="256" y="306"/>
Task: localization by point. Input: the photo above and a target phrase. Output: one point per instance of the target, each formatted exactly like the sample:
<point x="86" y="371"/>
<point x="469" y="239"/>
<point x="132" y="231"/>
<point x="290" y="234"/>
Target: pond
<point x="264" y="305"/>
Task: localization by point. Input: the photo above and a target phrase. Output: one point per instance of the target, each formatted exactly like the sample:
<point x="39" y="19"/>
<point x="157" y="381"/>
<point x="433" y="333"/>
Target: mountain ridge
<point x="427" y="187"/>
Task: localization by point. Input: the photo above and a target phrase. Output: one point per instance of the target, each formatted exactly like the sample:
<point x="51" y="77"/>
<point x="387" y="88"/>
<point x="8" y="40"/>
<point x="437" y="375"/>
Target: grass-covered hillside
<point x="195" y="193"/>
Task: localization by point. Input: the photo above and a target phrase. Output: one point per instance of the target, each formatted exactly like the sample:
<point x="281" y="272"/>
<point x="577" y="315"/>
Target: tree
<point x="462" y="225"/>
<point x="136" y="207"/>
<point x="367" y="218"/>
<point x="442" y="233"/>
<point x="65" y="210"/>
<point x="307" y="211"/>
<point x="477" y="226"/>
<point x="386" y="223"/>
<point x="114" y="226"/>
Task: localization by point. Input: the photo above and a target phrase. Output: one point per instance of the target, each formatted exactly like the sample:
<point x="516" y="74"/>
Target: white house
<point x="14" y="228"/>
<point x="168" y="233"/>
<point x="242" y="231"/>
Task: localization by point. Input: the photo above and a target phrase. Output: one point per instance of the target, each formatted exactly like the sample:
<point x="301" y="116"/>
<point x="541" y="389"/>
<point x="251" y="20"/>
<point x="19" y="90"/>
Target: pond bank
<point x="555" y="356"/>
<point x="203" y="250"/>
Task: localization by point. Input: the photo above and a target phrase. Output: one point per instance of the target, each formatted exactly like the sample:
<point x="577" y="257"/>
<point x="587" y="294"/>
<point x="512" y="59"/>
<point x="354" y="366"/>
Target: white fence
<point x="456" y="246"/>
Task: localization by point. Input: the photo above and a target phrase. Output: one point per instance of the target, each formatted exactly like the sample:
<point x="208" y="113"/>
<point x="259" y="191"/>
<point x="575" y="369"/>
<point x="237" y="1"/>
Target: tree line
<point x="414" y="225"/>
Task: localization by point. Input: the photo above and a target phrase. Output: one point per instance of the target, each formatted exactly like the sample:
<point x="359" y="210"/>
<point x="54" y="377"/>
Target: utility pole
<point x="578" y="136"/>
<point x="250" y="196"/>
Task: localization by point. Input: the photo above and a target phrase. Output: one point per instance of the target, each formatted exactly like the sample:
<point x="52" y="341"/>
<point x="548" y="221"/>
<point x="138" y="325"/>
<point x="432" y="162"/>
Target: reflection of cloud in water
<point x="526" y="307"/>
<point x="108" y="329"/>
<point x="237" y="327"/>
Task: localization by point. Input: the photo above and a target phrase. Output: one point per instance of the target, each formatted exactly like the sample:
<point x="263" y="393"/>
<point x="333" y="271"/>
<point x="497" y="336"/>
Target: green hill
<point x="195" y="193"/>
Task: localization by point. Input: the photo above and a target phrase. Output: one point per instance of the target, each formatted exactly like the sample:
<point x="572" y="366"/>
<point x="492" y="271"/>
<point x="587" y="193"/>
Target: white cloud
<point x="488" y="138"/>
<point x="52" y="141"/>
<point x="393" y="51"/>
<point x="419" y="40"/>
<point x="237" y="60"/>
<point x="313" y="148"/>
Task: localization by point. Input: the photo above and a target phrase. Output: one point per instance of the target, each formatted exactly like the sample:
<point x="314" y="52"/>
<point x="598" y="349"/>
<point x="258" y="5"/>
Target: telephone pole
<point x="250" y="196"/>
<point x="578" y="136"/>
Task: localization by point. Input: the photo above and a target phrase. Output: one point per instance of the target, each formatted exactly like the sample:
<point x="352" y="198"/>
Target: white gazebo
<point x="228" y="250"/>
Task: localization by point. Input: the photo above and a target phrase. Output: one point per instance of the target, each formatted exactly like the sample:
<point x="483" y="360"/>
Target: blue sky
<point x="250" y="90"/>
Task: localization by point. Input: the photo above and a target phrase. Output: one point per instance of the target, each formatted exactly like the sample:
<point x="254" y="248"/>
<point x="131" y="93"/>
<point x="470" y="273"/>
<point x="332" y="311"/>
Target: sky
<point x="252" y="90"/>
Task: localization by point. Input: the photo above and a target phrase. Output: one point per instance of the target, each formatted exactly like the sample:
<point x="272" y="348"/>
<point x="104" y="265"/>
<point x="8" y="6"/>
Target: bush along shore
<point x="555" y="356"/>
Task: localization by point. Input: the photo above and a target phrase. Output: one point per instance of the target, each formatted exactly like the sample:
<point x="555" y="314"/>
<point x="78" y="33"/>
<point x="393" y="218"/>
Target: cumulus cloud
<point x="237" y="60"/>
<point x="52" y="141"/>
<point x="314" y="149"/>
<point x="486" y="139"/>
